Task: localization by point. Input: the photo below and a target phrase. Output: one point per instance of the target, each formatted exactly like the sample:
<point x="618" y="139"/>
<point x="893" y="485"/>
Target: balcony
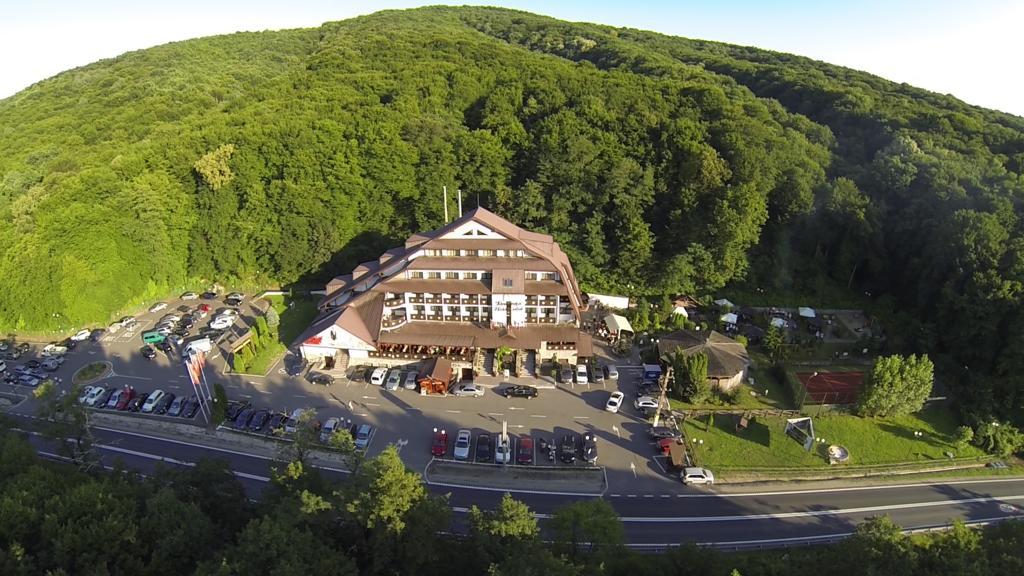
<point x="396" y="301"/>
<point x="392" y="321"/>
<point x="416" y="300"/>
<point x="433" y="300"/>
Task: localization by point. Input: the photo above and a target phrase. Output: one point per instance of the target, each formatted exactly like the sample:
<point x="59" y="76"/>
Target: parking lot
<point x="401" y="417"/>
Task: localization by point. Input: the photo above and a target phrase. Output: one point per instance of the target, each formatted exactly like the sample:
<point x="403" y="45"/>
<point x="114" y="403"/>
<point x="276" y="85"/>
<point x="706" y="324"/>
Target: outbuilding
<point x="727" y="358"/>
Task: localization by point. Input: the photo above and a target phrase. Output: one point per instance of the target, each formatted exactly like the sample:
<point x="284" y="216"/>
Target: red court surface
<point x="831" y="387"/>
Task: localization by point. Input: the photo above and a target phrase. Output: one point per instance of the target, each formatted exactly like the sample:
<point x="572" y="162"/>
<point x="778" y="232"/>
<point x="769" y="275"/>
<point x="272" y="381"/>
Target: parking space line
<point x="454" y="411"/>
<point x="581" y="417"/>
<point x="648" y="495"/>
<point x="537" y="416"/>
<point x="371" y="404"/>
<point x="495" y="413"/>
<point x="264" y="392"/>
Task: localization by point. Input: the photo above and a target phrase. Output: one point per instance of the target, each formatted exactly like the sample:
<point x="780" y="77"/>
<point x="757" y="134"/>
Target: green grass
<point x="870" y="441"/>
<point x="297" y="312"/>
<point x="90" y="372"/>
<point x="266" y="358"/>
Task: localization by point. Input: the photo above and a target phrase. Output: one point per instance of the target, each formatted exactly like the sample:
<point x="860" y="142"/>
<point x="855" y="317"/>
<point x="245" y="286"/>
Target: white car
<point x="114" y="327"/>
<point x="394" y="380"/>
<point x="410" y="380"/>
<point x="94" y="395"/>
<point x="330" y="427"/>
<point x="462" y="444"/>
<point x="581" y="374"/>
<point x="378" y="376"/>
<point x="158" y="306"/>
<point x="221" y="323"/>
<point x="153" y="400"/>
<point x="114" y="398"/>
<point x="54" y="350"/>
<point x="645" y="403"/>
<point x="85" y="394"/>
<point x="189" y="296"/>
<point x="502" y="450"/>
<point x="467" y="389"/>
<point x="697" y="476"/>
<point x="614" y="401"/>
<point x="227" y="312"/>
<point x="170" y="318"/>
<point x="81" y="335"/>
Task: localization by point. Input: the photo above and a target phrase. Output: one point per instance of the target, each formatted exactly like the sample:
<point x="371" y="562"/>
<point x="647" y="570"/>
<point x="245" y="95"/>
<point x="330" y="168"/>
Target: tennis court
<point x="831" y="387"/>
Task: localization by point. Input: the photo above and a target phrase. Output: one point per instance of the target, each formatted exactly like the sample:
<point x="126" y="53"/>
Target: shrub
<point x="220" y="404"/>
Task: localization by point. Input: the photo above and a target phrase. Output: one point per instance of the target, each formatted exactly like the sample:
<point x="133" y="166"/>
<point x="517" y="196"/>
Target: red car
<point x="440" y="446"/>
<point x="524" y="453"/>
<point x="205" y="307"/>
<point x="127" y="395"/>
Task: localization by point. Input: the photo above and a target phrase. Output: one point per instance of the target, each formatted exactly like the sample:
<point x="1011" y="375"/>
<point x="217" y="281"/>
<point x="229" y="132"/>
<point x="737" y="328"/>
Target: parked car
<point x="189" y="296"/>
<point x="410" y="380"/>
<point x="164" y="403"/>
<point x="524" y="451"/>
<point x="519" y="391"/>
<point x="439" y="447"/>
<point x="565" y="374"/>
<point x="697" y="476"/>
<point x="330" y="427"/>
<point x="598" y="376"/>
<point x="292" y="423"/>
<point x="54" y="350"/>
<point x="81" y="335"/>
<point x="394" y="379"/>
<point x="502" y="449"/>
<point x="259" y="420"/>
<point x="276" y="423"/>
<point x="362" y="436"/>
<point x="221" y="323"/>
<point x="227" y="313"/>
<point x="235" y="295"/>
<point x="128" y="322"/>
<point x="321" y="379"/>
<point x="136" y="404"/>
<point x="113" y="399"/>
<point x="175" y="408"/>
<point x="590" y="447"/>
<point x="152" y="401"/>
<point x="148" y="352"/>
<point x="233" y="301"/>
<point x="567" y="449"/>
<point x="647" y="389"/>
<point x="158" y="307"/>
<point x="28" y="380"/>
<point x="610" y="372"/>
<point x="378" y="376"/>
<point x="483" y="448"/>
<point x="191" y="407"/>
<point x="208" y="295"/>
<point x="4" y="345"/>
<point x="645" y="403"/>
<point x="463" y="443"/>
<point x="84" y="394"/>
<point x="31" y="364"/>
<point x="359" y="374"/>
<point x="467" y="389"/>
<point x="581" y="374"/>
<point x="127" y="395"/>
<point x="96" y="334"/>
<point x="234" y="409"/>
<point x="660" y="432"/>
<point x="614" y="402"/>
<point x="243" y="418"/>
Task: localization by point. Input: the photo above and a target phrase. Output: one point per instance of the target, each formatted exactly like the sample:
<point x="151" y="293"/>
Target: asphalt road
<point x="701" y="516"/>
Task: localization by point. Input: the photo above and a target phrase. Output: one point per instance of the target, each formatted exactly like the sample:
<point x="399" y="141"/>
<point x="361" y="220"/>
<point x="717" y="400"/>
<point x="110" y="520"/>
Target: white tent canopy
<point x="620" y="302"/>
<point x="778" y="322"/>
<point x="730" y="318"/>
<point x="617" y="324"/>
<point x="681" y="311"/>
<point x="806" y="312"/>
<point x="724" y="303"/>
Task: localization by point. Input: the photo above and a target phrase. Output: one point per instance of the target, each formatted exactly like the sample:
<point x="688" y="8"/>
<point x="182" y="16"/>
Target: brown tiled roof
<point x="508" y="282"/>
<point x="545" y="288"/>
<point x="726" y="357"/>
<point x="481" y="336"/>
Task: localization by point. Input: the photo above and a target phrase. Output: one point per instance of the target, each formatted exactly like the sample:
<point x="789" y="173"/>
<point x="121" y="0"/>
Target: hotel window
<point x="506" y="282"/>
<point x="415" y="274"/>
<point x="470" y="276"/>
<point x="451" y="275"/>
<point x="501" y="253"/>
<point x="521" y="253"/>
<point x="531" y="275"/>
<point x="485" y="253"/>
<point x="449" y="252"/>
<point x="434" y="275"/>
<point x="485" y="276"/>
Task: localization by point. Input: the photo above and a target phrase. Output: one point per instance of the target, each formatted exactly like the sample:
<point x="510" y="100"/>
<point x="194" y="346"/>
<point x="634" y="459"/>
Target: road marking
<point x="514" y="408"/>
<point x="495" y="413"/>
<point x="488" y="489"/>
<point x="304" y="396"/>
<point x="246" y="395"/>
<point x="817" y="513"/>
<point x="850" y="489"/>
<point x="370" y="404"/>
<point x="264" y="392"/>
<point x="648" y="495"/>
<point x="666" y="495"/>
<point x="615" y="495"/>
<point x="632" y="466"/>
<point x="581" y="417"/>
<point x="630" y="495"/>
<point x="454" y="411"/>
<point x="537" y="416"/>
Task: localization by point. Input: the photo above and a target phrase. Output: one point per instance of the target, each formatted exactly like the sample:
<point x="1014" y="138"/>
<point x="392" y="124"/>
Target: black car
<point x="135" y="404"/>
<point x="590" y="448"/>
<point x="181" y="331"/>
<point x="259" y="420"/>
<point x="164" y="403"/>
<point x="175" y="408"/>
<point x="243" y="418"/>
<point x="148" y="352"/>
<point x="234" y="409"/>
<point x="23" y="347"/>
<point x="484" y="449"/>
<point x="96" y="334"/>
<point x="210" y="333"/>
<point x="208" y="295"/>
<point x="660" y="432"/>
<point x="359" y="374"/>
<point x="321" y="379"/>
<point x="519" y="391"/>
<point x="32" y="364"/>
<point x="276" y="422"/>
<point x="233" y="301"/>
<point x="105" y="397"/>
<point x="190" y="408"/>
<point x="567" y="449"/>
<point x="69" y="343"/>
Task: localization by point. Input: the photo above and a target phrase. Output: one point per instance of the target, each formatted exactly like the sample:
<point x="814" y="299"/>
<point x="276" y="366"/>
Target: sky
<point x="971" y="49"/>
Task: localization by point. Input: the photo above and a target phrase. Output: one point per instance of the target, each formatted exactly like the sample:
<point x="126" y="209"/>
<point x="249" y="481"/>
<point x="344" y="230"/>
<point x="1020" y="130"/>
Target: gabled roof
<point x="726" y="357"/>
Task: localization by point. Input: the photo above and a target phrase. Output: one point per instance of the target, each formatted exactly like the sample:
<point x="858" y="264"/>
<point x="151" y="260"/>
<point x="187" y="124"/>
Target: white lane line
<point x="818" y="513"/>
<point x="630" y="495"/>
<point x="648" y="495"/>
<point x="495" y="413"/>
<point x="537" y="416"/>
<point x="850" y="489"/>
<point x="514" y="408"/>
<point x="264" y="392"/>
<point x="175" y="461"/>
<point x="371" y="404"/>
<point x="615" y="495"/>
<point x="301" y="396"/>
<point x="454" y="411"/>
<point x="666" y="495"/>
<point x="581" y="417"/>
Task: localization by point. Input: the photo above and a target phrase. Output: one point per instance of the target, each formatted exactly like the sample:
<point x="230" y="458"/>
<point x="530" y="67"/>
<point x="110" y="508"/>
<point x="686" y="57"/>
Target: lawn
<point x="749" y="397"/>
<point x="871" y="441"/>
<point x="296" y="314"/>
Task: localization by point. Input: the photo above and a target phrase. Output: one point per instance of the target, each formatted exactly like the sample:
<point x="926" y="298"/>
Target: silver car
<point x="467" y="389"/>
<point x="462" y="444"/>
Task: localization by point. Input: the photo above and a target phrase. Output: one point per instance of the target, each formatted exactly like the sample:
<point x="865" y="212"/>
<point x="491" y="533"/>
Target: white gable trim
<point x="473" y="230"/>
<point x="338" y="338"/>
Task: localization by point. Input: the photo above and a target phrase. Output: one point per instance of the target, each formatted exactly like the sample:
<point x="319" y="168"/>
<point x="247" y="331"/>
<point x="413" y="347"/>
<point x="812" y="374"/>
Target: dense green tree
<point x="897" y="385"/>
<point x="593" y="523"/>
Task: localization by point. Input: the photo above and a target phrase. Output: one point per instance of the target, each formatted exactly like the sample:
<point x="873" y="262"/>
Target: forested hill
<point x="661" y="164"/>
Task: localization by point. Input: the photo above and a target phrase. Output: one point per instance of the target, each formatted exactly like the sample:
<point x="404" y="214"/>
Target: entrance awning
<point x="618" y="324"/>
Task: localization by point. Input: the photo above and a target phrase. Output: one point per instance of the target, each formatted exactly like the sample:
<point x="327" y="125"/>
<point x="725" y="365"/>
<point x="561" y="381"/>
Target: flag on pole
<point x="194" y="365"/>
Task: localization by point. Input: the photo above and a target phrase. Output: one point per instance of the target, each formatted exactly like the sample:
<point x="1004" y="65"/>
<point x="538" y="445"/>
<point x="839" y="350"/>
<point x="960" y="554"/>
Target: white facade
<point x="501" y="304"/>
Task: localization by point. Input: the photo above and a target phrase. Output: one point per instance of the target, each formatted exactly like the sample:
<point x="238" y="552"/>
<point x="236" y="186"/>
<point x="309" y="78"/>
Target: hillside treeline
<point x="55" y="519"/>
<point x="661" y="164"/>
